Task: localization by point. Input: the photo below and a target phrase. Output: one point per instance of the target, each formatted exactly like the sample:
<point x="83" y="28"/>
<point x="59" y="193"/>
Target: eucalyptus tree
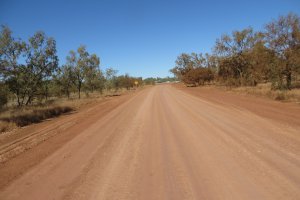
<point x="64" y="80"/>
<point x="93" y="75"/>
<point x="283" y="38"/>
<point x="233" y="52"/>
<point x="85" y="71"/>
<point x="183" y="65"/>
<point x="78" y="62"/>
<point x="11" y="50"/>
<point x="41" y="63"/>
<point x="25" y="67"/>
<point x="110" y="78"/>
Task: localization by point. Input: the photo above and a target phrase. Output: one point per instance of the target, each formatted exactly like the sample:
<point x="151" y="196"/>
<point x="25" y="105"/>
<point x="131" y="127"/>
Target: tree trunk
<point x="28" y="100"/>
<point x="79" y="89"/>
<point x="23" y="98"/>
<point x="289" y="80"/>
<point x="288" y="73"/>
<point x="46" y="92"/>
<point x="19" y="103"/>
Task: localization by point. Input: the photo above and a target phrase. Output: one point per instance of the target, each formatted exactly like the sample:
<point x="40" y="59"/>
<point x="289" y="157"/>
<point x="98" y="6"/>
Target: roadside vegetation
<point x="153" y="81"/>
<point x="247" y="59"/>
<point x="33" y="84"/>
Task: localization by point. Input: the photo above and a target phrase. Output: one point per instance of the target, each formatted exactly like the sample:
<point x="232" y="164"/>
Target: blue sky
<point x="142" y="38"/>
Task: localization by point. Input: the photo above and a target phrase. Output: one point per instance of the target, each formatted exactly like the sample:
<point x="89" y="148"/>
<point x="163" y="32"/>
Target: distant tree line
<point x="246" y="57"/>
<point x="30" y="70"/>
<point x="153" y="81"/>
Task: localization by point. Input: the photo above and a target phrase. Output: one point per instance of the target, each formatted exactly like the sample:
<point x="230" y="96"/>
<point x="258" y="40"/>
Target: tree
<point x="261" y="62"/>
<point x="110" y="76"/>
<point x="93" y="74"/>
<point x="211" y="61"/>
<point x="283" y="38"/>
<point x="125" y="81"/>
<point x="3" y="95"/>
<point x="149" y="81"/>
<point x="183" y="65"/>
<point x="78" y="63"/>
<point x="198" y="76"/>
<point x="85" y="70"/>
<point x="233" y="54"/>
<point x="64" y="79"/>
<point x="187" y="62"/>
<point x="194" y="69"/>
<point x="10" y="51"/>
<point x="25" y="80"/>
<point x="41" y="63"/>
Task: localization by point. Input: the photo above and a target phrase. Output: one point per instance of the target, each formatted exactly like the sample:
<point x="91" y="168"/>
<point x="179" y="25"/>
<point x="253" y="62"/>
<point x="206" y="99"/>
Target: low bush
<point x="26" y="117"/>
<point x="265" y="90"/>
<point x="6" y="126"/>
<point x="280" y="96"/>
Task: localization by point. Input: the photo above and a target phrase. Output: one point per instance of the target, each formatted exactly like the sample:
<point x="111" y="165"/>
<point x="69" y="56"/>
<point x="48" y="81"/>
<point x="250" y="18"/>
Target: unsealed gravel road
<point x="164" y="143"/>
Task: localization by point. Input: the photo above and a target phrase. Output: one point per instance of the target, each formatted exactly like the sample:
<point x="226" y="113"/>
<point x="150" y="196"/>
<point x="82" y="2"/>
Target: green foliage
<point x="63" y="80"/>
<point x="235" y="56"/>
<point x="94" y="78"/>
<point x="149" y="81"/>
<point x="127" y="82"/>
<point x="111" y="81"/>
<point x="10" y="51"/>
<point x="283" y="38"/>
<point x="82" y="69"/>
<point x="29" y="70"/>
<point x="194" y="69"/>
<point x="26" y="79"/>
<point x="246" y="58"/>
<point x="153" y="81"/>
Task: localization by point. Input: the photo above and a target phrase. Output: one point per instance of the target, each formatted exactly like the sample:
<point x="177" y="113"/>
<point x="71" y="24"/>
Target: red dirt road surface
<point x="165" y="142"/>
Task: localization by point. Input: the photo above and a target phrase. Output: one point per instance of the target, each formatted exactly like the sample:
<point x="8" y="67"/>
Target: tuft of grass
<point x="280" y="96"/>
<point x="28" y="116"/>
<point x="6" y="126"/>
<point x="264" y="90"/>
<point x="12" y="117"/>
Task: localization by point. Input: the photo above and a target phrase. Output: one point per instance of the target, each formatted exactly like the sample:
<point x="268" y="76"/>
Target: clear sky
<point x="141" y="37"/>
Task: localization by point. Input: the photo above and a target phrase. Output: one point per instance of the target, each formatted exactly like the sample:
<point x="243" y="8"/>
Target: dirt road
<point x="164" y="143"/>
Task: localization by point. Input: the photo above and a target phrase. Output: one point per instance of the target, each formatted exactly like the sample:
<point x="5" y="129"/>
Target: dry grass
<point x="7" y="126"/>
<point x="13" y="117"/>
<point x="264" y="90"/>
<point x="21" y="117"/>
